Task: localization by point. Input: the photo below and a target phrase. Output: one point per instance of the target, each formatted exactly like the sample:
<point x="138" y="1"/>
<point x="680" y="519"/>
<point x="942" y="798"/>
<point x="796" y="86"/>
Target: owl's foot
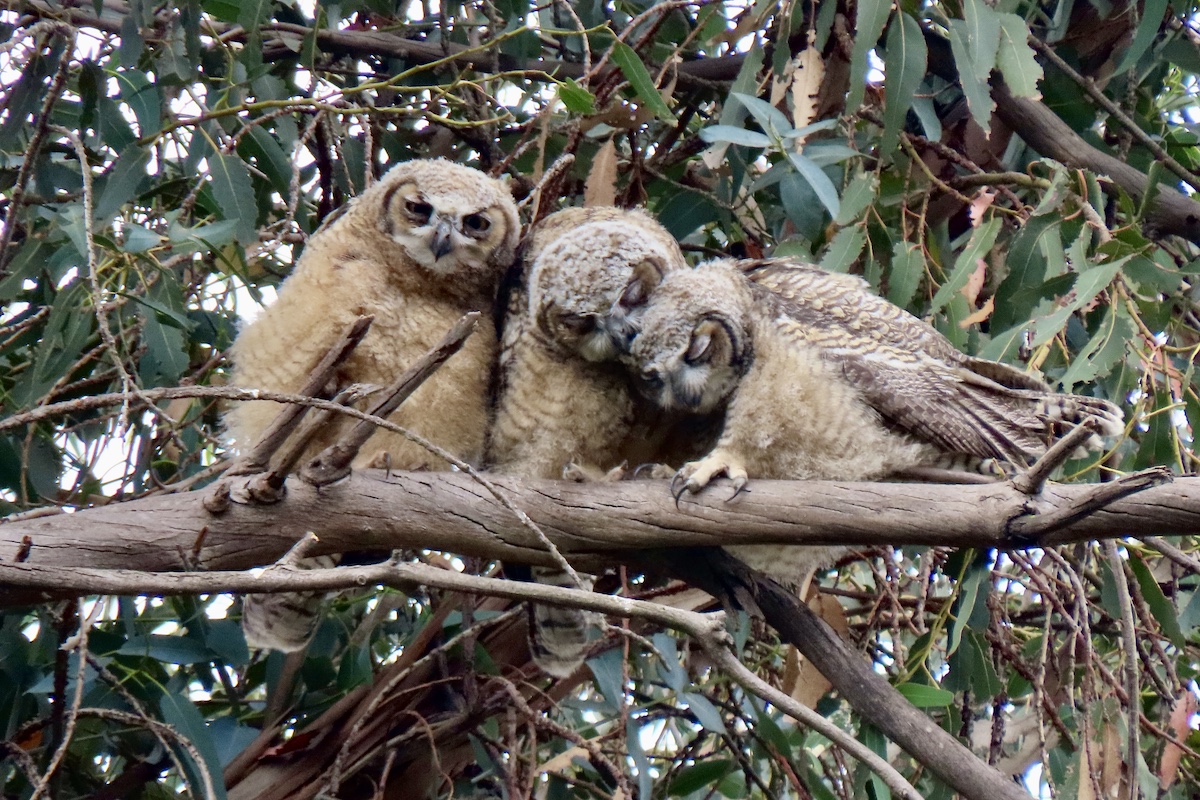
<point x="587" y="473"/>
<point x="382" y="459"/>
<point x="654" y="472"/>
<point x="696" y="475"/>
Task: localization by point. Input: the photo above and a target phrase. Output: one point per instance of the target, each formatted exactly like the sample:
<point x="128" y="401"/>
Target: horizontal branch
<point x="594" y="525"/>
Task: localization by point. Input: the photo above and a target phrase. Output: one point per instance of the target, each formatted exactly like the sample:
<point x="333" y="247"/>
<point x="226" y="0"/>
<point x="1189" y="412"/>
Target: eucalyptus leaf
<point x="818" y="180"/>
<point x="905" y="64"/>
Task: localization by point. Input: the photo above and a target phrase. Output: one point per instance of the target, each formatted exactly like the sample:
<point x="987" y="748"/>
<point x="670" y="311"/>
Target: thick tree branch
<point x="595" y="525"/>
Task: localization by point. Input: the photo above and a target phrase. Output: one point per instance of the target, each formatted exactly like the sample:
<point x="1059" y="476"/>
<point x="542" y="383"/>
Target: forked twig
<point x="1032" y="527"/>
<point x="267" y="487"/>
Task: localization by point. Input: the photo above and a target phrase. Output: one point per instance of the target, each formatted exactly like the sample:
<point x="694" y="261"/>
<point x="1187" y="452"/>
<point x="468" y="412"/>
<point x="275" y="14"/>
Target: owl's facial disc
<point x="697" y="375"/>
<point x="438" y="232"/>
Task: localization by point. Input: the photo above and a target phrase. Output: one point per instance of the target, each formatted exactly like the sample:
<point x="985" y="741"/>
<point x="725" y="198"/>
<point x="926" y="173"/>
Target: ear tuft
<point x="647" y="274"/>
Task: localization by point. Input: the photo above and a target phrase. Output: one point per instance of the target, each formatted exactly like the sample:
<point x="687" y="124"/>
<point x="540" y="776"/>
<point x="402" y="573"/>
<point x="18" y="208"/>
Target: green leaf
<point x="142" y="97"/>
<point x="1087" y="286"/>
<point x="181" y="714"/>
<point x="975" y="89"/>
<point x="706" y="713"/>
<point x="1160" y="607"/>
<point x="732" y="135"/>
<point x="637" y="754"/>
<point x="69" y="328"/>
<point x="818" y="180"/>
<point x="167" y="649"/>
<point x="638" y="76"/>
<point x="576" y="98"/>
<point x="967" y="604"/>
<point x="354" y="668"/>
<point x="922" y="106"/>
<point x="164" y="332"/>
<point x="1182" y="54"/>
<point x="122" y="182"/>
<point x="607" y="669"/>
<point x="859" y="194"/>
<point x="672" y="672"/>
<point x="924" y="696"/>
<point x="983" y="36"/>
<point x="904" y="64"/>
<point x="769" y="118"/>
<point x="138" y="239"/>
<point x="1016" y="59"/>
<point x="268" y="157"/>
<point x="1102" y="351"/>
<point x="908" y="268"/>
<point x="1152" y="17"/>
<point x="868" y="27"/>
<point x="845" y="248"/>
<point x="701" y="775"/>
<point x="980" y="243"/>
<point x="234" y="193"/>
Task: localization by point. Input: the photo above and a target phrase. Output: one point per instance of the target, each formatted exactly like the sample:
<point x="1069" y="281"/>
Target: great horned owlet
<point x="825" y="380"/>
<point x="563" y="399"/>
<point x="424" y="245"/>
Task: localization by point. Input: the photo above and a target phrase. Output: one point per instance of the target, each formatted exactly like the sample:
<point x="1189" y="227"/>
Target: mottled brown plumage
<point x="563" y="399"/>
<point x="825" y="380"/>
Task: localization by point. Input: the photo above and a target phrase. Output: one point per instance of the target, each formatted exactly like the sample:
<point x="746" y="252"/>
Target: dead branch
<point x="334" y="463"/>
<point x="289" y="418"/>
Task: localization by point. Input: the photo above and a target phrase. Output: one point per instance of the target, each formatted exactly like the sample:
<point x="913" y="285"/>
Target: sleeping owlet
<point x="564" y="401"/>
<point x="825" y="380"/>
<point x="423" y="246"/>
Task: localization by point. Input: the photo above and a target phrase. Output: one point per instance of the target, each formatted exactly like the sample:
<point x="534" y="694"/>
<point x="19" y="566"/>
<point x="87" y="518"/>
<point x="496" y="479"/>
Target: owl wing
<point x="907" y="371"/>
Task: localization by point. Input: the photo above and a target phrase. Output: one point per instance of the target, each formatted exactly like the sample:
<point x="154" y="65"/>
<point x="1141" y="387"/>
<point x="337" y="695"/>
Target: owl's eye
<point x="418" y="210"/>
<point x="578" y="324"/>
<point x="476" y="223"/>
<point x="700" y="350"/>
<point x="652" y="379"/>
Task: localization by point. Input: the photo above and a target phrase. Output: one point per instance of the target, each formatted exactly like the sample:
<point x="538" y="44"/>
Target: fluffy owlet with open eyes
<point x="822" y="379"/>
<point x="563" y="398"/>
<point x="424" y="245"/>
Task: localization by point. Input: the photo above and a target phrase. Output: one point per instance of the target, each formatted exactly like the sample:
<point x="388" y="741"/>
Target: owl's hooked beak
<point x="441" y="238"/>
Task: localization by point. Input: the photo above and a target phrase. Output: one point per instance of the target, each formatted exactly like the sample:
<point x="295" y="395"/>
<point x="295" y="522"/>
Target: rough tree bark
<point x="594" y="525"/>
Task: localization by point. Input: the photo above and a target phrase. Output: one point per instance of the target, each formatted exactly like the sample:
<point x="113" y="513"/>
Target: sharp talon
<point x="738" y="488"/>
<point x="677" y="489"/>
<point x="638" y="469"/>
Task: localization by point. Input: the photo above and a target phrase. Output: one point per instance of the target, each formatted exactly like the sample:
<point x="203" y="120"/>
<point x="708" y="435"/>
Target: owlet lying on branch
<point x="424" y="245"/>
<point x="824" y="380"/>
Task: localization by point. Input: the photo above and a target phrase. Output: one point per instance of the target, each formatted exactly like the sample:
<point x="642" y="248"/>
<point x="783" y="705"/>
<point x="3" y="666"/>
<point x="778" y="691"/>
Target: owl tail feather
<point x="558" y="637"/>
<point x="285" y="621"/>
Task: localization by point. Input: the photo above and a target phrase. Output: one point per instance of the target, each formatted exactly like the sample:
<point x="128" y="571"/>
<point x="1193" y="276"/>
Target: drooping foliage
<point x="162" y="167"/>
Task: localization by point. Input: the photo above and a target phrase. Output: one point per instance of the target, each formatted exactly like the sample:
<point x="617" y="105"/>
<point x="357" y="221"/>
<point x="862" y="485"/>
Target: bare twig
<point x="1032" y="480"/>
<point x="334" y="463"/>
<point x="1132" y="683"/>
<point x="257" y="457"/>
